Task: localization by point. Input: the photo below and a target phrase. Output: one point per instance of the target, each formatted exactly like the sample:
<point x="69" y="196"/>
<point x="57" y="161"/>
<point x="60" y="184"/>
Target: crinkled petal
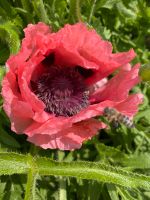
<point x="51" y="126"/>
<point x="10" y="91"/>
<point x="19" y="111"/>
<point x="35" y="39"/>
<point x="129" y="107"/>
<point x="24" y="76"/>
<point x="68" y="139"/>
<point x="92" y="111"/>
<point x="88" y="51"/>
<point x="21" y="116"/>
<point x="118" y="87"/>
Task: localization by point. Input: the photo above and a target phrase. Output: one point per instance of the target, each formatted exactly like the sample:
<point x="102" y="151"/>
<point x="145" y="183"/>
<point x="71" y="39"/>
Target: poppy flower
<point x="57" y="83"/>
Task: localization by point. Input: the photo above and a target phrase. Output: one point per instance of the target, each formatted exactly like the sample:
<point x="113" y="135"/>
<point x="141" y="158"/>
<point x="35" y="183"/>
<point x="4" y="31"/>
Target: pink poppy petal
<point x="118" y="87"/>
<point x="34" y="37"/>
<point x="21" y="116"/>
<point x="88" y="51"/>
<point x="10" y="91"/>
<point x="71" y="57"/>
<point x="41" y="116"/>
<point x="92" y="111"/>
<point x="129" y="107"/>
<point x="26" y="91"/>
<point x="51" y="126"/>
<point x="68" y="139"/>
<point x="25" y="72"/>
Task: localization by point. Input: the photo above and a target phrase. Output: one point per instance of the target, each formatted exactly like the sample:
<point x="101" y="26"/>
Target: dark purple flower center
<point x="62" y="90"/>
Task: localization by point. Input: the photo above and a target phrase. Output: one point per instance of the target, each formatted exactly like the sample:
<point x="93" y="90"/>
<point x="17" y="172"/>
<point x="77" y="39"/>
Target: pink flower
<point x="57" y="84"/>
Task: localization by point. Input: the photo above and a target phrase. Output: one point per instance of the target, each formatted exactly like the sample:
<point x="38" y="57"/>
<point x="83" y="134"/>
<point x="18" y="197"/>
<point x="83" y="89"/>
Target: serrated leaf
<point x="12" y="163"/>
<point x="8" y="8"/>
<point x="125" y="11"/>
<point x="141" y="161"/>
<point x="109" y="3"/>
<point x="40" y="10"/>
<point x="10" y="36"/>
<point x="106" y="152"/>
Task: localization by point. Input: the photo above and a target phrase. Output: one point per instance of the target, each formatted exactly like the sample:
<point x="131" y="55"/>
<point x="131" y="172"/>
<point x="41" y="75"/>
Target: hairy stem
<point x="62" y="180"/>
<point x="31" y="185"/>
<point x="30" y="193"/>
<point x="62" y="189"/>
<point x="78" y="11"/>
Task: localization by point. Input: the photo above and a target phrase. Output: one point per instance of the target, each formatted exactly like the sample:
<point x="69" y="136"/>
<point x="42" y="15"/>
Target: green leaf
<point x="108" y="3"/>
<point x="40" y="10"/>
<point x="4" y="52"/>
<point x="13" y="163"/>
<point x="8" y="8"/>
<point x="106" y="152"/>
<point x="125" y="194"/>
<point x="94" y="190"/>
<point x="10" y="36"/>
<point x="144" y="113"/>
<point x="141" y="161"/>
<point x="26" y="4"/>
<point x="3" y="12"/>
<point x="5" y="138"/>
<point x="112" y="192"/>
<point x="124" y="11"/>
<point x="2" y="72"/>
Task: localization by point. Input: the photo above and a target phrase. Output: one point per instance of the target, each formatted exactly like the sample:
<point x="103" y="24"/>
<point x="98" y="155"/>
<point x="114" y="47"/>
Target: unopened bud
<point x="145" y="73"/>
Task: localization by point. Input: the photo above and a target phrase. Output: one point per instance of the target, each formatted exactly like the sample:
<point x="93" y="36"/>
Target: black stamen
<point x="63" y="91"/>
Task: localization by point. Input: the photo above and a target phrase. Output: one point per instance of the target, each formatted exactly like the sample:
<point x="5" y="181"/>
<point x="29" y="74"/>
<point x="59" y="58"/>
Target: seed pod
<point x="145" y="73"/>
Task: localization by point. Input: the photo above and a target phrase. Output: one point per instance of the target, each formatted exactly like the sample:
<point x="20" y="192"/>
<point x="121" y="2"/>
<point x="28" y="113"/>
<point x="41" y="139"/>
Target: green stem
<point x="31" y="185"/>
<point x="62" y="189"/>
<point x="30" y="193"/>
<point x="92" y="11"/>
<point x="78" y="11"/>
<point x="62" y="180"/>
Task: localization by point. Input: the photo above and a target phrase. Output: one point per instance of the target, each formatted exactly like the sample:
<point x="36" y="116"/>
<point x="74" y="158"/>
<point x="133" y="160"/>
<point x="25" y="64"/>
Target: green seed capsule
<point x="145" y="73"/>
